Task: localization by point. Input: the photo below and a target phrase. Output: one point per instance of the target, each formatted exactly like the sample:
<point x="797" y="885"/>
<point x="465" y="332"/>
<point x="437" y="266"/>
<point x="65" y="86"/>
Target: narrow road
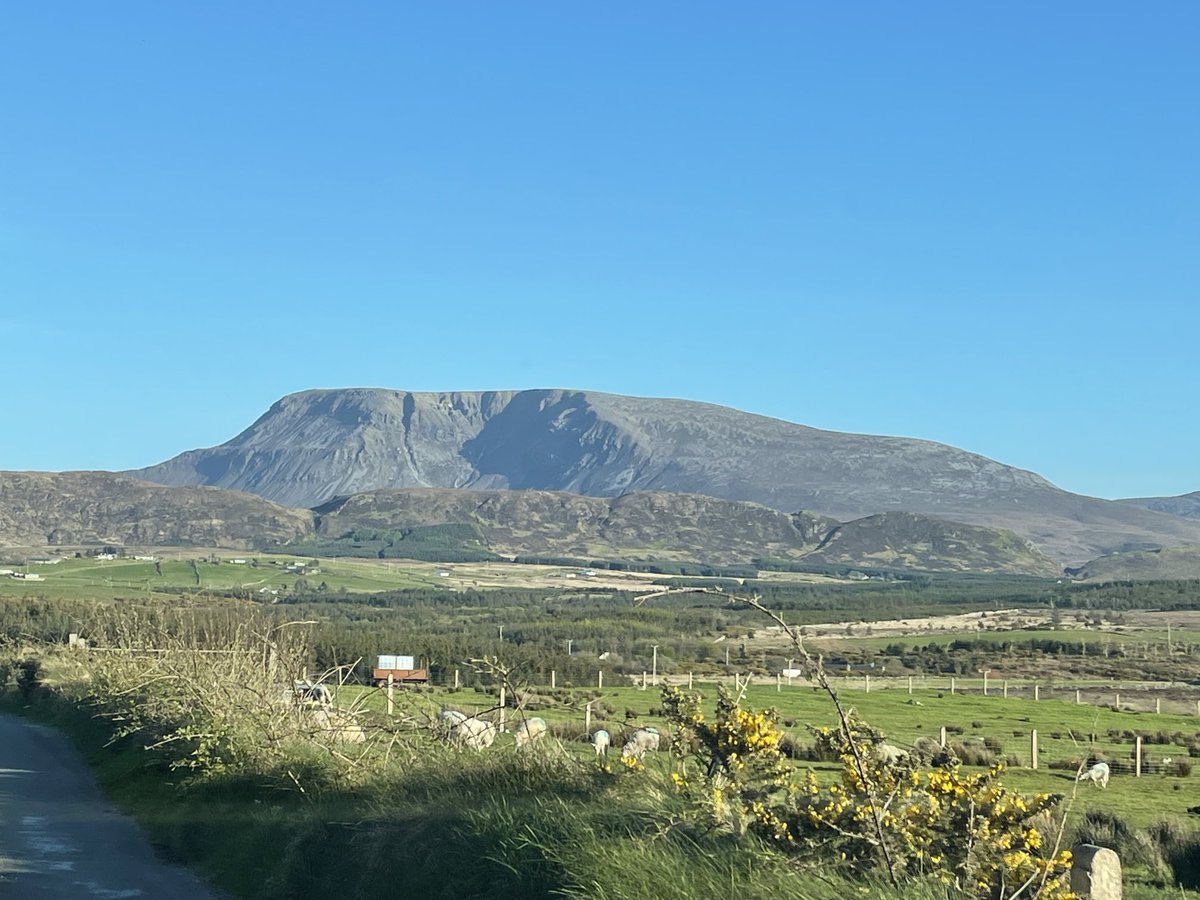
<point x="59" y="837"/>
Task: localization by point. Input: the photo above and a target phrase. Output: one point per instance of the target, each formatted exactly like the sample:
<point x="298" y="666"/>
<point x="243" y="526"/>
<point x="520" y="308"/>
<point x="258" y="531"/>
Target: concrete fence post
<point x="1033" y="749"/>
<point x="952" y="684"/>
<point x="456" y="679"/>
<point x="910" y="691"/>
<point x="391" y="687"/>
<point x="1137" y="757"/>
<point x="1037" y="692"/>
<point x="600" y="680"/>
<point x="689" y="681"/>
<point x="1078" y="699"/>
<point x="942" y="737"/>
<point x="867" y="683"/>
<point x="1005" y="688"/>
<point x="553" y="679"/>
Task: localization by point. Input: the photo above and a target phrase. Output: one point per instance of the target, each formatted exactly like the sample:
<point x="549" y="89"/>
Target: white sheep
<point x="890" y="755"/>
<point x="601" y="741"/>
<point x="641" y="741"/>
<point x="465" y="731"/>
<point x="530" y="730"/>
<point x="1097" y="774"/>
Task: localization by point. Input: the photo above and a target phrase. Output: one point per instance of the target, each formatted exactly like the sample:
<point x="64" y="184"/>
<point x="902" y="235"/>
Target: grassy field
<point x="1063" y="733"/>
<point x="89" y="578"/>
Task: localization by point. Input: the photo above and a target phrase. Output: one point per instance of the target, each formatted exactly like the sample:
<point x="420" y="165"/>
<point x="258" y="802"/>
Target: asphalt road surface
<point x="59" y="837"/>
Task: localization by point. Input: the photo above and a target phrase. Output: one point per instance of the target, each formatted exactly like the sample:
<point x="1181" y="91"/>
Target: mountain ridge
<point x="314" y="445"/>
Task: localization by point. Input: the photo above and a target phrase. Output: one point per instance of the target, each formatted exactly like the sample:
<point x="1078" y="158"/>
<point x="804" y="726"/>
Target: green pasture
<point x="1131" y="638"/>
<point x="109" y="579"/>
<point x="1063" y="732"/>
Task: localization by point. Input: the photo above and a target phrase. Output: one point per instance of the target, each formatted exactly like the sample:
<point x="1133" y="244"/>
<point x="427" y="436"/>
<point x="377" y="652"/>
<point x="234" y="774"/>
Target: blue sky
<point x="973" y="223"/>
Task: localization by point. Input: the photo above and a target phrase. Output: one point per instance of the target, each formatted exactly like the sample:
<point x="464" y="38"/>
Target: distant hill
<point x="907" y="541"/>
<point x="82" y="508"/>
<point x="1175" y="563"/>
<point x="311" y="447"/>
<point x="41" y="508"/>
<point x="1186" y="506"/>
<point x="682" y="527"/>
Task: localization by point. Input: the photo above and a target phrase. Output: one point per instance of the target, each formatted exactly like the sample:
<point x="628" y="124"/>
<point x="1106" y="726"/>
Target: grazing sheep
<point x="890" y="755"/>
<point x="474" y="734"/>
<point x="530" y="730"/>
<point x="641" y="741"/>
<point x="601" y="741"/>
<point x="1097" y="774"/>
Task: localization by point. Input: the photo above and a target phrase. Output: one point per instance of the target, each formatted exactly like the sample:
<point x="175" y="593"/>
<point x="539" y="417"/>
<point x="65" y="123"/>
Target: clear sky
<point x="977" y="223"/>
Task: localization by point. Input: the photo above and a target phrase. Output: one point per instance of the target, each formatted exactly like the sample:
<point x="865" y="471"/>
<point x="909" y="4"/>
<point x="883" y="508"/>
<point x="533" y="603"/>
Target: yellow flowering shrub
<point x="963" y="828"/>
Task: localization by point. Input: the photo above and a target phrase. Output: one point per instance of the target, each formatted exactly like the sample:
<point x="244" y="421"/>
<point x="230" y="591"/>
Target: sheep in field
<point x="601" y="741"/>
<point x="890" y="755"/>
<point x="1097" y="774"/>
<point x="641" y="741"/>
<point x="474" y="734"/>
<point x="529" y="730"/>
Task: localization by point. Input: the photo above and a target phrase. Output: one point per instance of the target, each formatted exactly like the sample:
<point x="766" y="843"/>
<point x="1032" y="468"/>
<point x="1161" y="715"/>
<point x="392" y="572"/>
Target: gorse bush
<point x="887" y="814"/>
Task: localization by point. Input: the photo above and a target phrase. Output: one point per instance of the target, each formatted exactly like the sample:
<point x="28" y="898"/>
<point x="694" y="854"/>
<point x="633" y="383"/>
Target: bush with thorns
<point x="964" y="829"/>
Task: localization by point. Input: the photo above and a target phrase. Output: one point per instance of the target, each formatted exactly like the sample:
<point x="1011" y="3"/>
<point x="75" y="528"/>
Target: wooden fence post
<point x="867" y="683"/>
<point x="952" y="684"/>
<point x="1033" y="749"/>
<point x="1137" y="757"/>
<point x="456" y="679"/>
<point x="689" y="681"/>
<point x="600" y="679"/>
<point x="553" y="679"/>
<point x="1037" y="692"/>
<point x="1005" y="688"/>
<point x="503" y="703"/>
<point x="910" y="691"/>
<point x="942" y="737"/>
<point x="391" y="706"/>
<point x="1077" y="697"/>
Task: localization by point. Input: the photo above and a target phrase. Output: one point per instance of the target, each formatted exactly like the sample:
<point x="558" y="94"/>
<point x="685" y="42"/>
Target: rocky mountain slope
<point x="906" y="541"/>
<point x="91" y="508"/>
<point x="1185" y="505"/>
<point x="314" y="446"/>
<point x="1143" y="565"/>
<point x="46" y="509"/>
<point x="656" y="526"/>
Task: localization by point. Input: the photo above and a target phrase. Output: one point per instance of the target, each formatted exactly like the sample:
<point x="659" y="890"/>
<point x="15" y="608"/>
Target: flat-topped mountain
<point x="313" y="446"/>
<point x="54" y="508"/>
